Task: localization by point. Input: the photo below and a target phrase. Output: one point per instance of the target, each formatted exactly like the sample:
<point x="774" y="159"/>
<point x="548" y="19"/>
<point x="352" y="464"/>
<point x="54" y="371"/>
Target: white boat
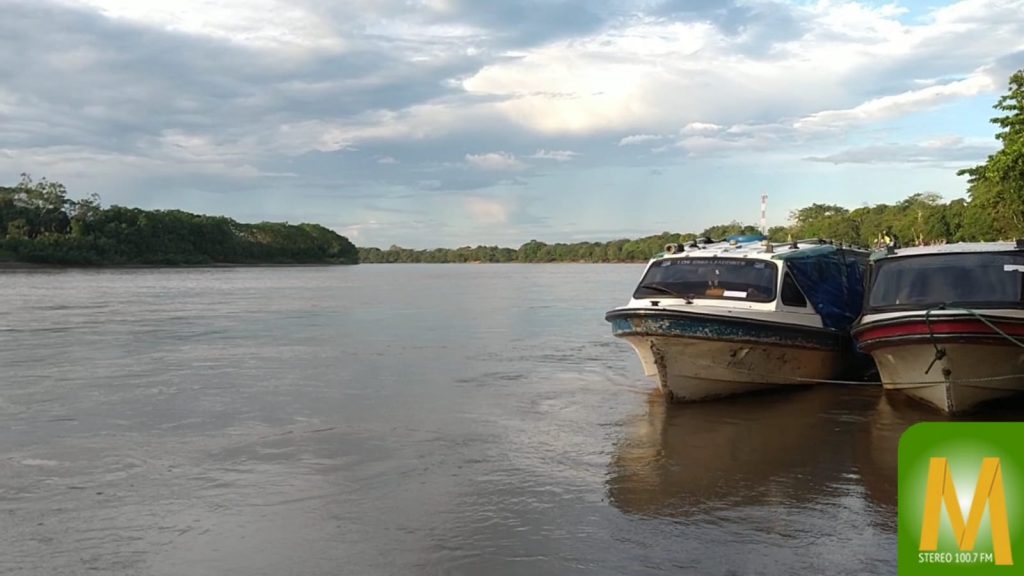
<point x="712" y="320"/>
<point x="945" y="324"/>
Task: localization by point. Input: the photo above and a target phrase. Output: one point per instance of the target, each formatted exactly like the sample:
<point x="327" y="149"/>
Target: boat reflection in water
<point x="802" y="482"/>
<point x="875" y="447"/>
<point x="780" y="448"/>
<point x="829" y="449"/>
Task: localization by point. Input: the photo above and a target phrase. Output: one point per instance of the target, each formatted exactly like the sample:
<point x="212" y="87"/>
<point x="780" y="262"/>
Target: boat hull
<point x="696" y="357"/>
<point x="951" y="363"/>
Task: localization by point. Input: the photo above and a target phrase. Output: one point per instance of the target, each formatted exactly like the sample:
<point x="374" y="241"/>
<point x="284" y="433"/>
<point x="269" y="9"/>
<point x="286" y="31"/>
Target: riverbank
<point x="14" y="265"/>
<point x="567" y="262"/>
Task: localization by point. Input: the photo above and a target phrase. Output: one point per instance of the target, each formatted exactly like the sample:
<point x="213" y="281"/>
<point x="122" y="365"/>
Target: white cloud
<point x="611" y="80"/>
<point x="943" y="142"/>
<point x="496" y="161"/>
<point x="556" y="155"/>
<point x="262" y="23"/>
<point x="700" y="128"/>
<point x="355" y="231"/>
<point x="639" y="139"/>
<point x="386" y="160"/>
<point x="59" y="162"/>
<point x="941" y="151"/>
<point x="646" y="73"/>
<point x="887" y="107"/>
<point x="419" y="122"/>
<point x="709" y="139"/>
<point x="486" y="210"/>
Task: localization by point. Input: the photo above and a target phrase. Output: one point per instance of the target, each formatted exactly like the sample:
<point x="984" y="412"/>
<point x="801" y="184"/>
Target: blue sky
<point x="451" y="122"/>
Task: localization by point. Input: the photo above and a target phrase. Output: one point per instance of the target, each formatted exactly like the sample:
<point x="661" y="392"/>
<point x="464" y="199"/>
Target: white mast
<point x="764" y="213"/>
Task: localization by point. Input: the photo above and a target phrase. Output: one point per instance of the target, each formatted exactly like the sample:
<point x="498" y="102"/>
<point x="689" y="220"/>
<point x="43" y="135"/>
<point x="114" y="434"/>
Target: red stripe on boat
<point x="918" y="327"/>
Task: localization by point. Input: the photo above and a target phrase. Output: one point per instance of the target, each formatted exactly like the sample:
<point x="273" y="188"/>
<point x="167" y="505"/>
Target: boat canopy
<point x="832" y="279"/>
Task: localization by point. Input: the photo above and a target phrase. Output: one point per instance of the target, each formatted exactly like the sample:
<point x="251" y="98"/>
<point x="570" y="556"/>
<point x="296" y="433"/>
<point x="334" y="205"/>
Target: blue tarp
<point x="741" y="238"/>
<point x="832" y="279"/>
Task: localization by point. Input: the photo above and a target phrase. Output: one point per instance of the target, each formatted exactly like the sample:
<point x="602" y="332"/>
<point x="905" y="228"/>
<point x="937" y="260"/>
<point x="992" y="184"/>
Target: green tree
<point x="818" y="221"/>
<point x="722" y="231"/>
<point x="779" y="233"/>
<point x="998" y="183"/>
<point x="39" y="223"/>
<point x="48" y="202"/>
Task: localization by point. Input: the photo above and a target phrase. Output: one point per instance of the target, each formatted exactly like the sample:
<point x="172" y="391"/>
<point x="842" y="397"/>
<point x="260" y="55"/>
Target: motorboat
<point x="945" y="323"/>
<point x="713" y="319"/>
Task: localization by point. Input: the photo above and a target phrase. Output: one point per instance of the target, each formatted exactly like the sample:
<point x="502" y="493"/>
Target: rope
<point x="940" y="353"/>
<point x="989" y="324"/>
<point x="922" y="383"/>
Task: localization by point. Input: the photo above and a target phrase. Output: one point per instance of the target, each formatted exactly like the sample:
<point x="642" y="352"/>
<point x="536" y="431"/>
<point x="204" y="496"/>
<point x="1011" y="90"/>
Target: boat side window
<point x="791" y="293"/>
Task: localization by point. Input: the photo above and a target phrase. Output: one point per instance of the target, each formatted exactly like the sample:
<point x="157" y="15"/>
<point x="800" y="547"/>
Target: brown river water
<point x="407" y="419"/>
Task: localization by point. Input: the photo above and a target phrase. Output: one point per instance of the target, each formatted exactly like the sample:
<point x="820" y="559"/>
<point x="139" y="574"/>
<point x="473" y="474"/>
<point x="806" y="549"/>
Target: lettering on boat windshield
<point x="720" y="278"/>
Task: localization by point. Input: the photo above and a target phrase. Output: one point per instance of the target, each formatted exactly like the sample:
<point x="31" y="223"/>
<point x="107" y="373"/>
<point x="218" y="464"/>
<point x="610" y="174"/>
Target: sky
<point x="443" y="123"/>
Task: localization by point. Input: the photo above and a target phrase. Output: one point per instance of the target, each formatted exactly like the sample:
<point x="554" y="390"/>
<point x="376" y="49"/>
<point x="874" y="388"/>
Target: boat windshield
<point x="728" y="278"/>
<point x="966" y="279"/>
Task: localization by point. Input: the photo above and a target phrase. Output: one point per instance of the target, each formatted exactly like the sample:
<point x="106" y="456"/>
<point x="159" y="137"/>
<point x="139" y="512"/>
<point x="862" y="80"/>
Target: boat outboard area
<point x="945" y="323"/>
<point x="713" y="319"/>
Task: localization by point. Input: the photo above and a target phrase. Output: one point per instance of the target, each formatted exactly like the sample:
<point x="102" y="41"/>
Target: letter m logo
<point x="989" y="490"/>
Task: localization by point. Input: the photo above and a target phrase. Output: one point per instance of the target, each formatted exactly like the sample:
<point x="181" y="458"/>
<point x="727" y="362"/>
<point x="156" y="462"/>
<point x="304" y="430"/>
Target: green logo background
<point x="965" y="444"/>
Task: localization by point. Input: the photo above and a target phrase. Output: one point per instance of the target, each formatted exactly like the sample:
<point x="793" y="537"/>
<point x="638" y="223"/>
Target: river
<point x="406" y="419"/>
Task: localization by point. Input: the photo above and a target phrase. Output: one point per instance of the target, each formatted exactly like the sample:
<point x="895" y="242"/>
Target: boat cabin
<point x="811" y="277"/>
<point x="972" y="275"/>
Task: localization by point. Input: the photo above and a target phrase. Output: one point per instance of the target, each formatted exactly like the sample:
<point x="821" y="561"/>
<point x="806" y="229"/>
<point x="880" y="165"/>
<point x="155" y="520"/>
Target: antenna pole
<point x="764" y="213"/>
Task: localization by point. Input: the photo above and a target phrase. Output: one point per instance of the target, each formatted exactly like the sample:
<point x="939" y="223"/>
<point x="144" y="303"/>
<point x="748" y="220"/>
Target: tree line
<point x="40" y="224"/>
<point x="994" y="210"/>
<point x="917" y="220"/>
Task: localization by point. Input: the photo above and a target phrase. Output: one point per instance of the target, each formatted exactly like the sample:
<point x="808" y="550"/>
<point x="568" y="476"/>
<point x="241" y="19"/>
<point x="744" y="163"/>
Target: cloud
<point x="355" y="231"/>
<point x="386" y="160"/>
<point x="701" y="128"/>
<point x="381" y="233"/>
<point x="639" y="139"/>
<point x="486" y="210"/>
<point x="941" y="151"/>
<point x="556" y="155"/>
<point x="896" y="105"/>
<point x="647" y="73"/>
<point x="709" y="139"/>
<point x="260" y="23"/>
<point x="497" y="161"/>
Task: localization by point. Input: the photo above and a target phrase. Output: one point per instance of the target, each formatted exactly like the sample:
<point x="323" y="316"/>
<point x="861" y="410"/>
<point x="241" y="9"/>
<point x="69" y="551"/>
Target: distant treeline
<point x="39" y="223"/>
<point x="995" y="211"/>
<point x="920" y="219"/>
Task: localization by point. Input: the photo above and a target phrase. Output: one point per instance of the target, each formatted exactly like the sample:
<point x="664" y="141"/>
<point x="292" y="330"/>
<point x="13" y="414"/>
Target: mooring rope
<point x="921" y="383"/>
